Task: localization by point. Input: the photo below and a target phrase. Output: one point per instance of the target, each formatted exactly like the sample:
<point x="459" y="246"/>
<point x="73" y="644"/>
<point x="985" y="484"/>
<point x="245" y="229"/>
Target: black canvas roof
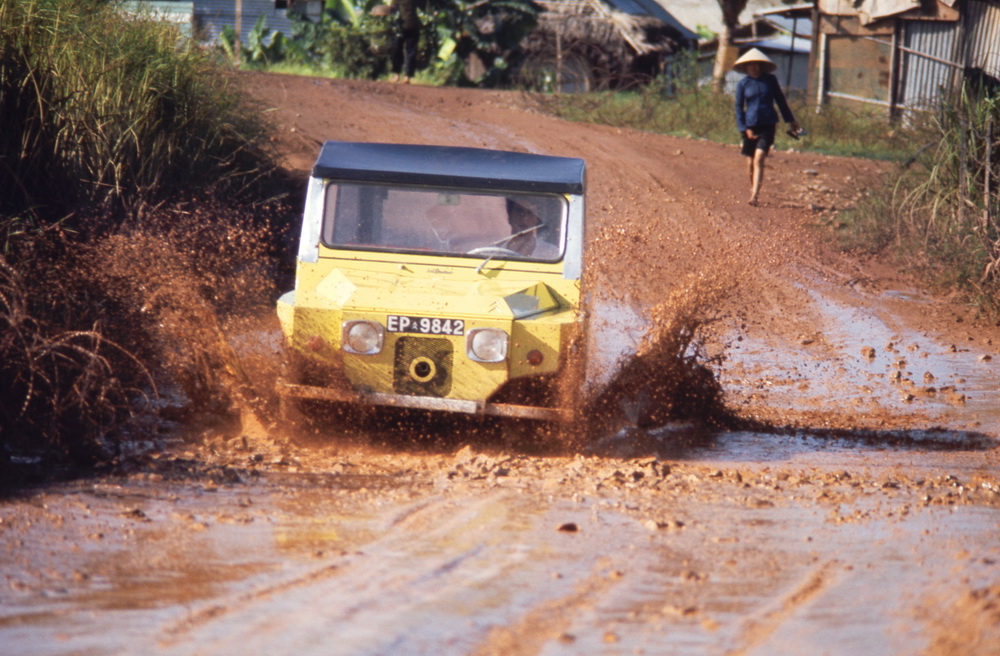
<point x="449" y="166"/>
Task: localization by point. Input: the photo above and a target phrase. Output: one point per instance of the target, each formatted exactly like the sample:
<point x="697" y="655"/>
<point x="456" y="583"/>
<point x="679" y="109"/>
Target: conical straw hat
<point x="754" y="55"/>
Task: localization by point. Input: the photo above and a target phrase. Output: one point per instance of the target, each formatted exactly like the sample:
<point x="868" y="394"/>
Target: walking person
<point x="405" y="41"/>
<point x="756" y="95"/>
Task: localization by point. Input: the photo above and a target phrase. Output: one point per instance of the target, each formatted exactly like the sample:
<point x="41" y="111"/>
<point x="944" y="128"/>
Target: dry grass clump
<point x="949" y="216"/>
<point x="941" y="212"/>
<point x="61" y="394"/>
<point x="107" y="120"/>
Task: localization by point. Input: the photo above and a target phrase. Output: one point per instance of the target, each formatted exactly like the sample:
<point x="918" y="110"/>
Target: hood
<point x="397" y="294"/>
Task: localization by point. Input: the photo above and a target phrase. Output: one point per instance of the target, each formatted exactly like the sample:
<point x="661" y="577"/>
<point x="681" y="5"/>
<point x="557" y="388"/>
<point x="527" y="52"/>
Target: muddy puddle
<point x="143" y="554"/>
<point x="836" y="532"/>
<point x="869" y="368"/>
<point x="484" y="553"/>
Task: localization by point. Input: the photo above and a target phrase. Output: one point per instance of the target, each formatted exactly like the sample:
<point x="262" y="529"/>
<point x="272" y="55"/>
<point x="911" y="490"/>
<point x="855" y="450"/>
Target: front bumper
<point x="288" y="390"/>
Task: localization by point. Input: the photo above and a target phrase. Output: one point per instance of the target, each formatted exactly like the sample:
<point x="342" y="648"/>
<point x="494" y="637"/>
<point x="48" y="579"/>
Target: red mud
<point x="669" y="225"/>
<point x="868" y="526"/>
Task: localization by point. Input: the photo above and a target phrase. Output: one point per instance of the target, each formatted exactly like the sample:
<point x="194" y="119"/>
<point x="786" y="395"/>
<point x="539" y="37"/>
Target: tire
<point x="543" y="72"/>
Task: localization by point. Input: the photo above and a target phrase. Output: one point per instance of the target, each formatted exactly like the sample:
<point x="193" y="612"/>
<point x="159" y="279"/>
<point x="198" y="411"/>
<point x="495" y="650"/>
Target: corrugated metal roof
<point x="654" y="9"/>
<point x="781" y="42"/>
<point x="805" y="9"/>
<point x="801" y="27"/>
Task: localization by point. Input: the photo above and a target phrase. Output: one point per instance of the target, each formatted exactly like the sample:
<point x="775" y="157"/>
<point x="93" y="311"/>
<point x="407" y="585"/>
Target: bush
<point x="118" y="122"/>
<point x="61" y="394"/>
<point x="354" y="51"/>
<point x="101" y="137"/>
<point x="940" y="211"/>
<point x="945" y="204"/>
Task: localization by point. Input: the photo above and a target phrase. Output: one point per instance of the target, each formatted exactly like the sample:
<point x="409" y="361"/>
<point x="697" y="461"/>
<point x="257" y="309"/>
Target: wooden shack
<point x="903" y="55"/>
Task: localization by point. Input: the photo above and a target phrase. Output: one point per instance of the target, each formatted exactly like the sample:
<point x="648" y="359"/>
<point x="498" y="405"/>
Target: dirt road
<point x="863" y="521"/>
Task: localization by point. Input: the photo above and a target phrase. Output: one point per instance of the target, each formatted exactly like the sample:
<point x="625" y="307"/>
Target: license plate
<point x="424" y="325"/>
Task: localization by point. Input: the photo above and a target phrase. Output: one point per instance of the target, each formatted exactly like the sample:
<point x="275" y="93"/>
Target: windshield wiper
<point x="500" y="246"/>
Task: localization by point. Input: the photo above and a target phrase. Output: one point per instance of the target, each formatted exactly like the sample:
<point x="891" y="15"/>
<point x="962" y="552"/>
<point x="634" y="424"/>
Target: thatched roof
<point x="593" y="20"/>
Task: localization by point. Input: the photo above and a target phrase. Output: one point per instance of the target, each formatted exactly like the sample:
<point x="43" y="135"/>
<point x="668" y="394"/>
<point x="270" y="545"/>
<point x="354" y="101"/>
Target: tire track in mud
<point x="758" y="630"/>
<point x="485" y="557"/>
<point x="199" y="618"/>
<point x="542" y="624"/>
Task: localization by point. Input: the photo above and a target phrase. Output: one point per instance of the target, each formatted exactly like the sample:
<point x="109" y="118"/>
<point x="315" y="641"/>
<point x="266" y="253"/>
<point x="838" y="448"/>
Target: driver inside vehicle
<point x="442" y="226"/>
<point x="524" y="228"/>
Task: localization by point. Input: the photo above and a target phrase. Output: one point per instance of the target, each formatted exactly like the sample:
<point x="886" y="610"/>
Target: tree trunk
<point x="725" y="57"/>
<point x="727" y="53"/>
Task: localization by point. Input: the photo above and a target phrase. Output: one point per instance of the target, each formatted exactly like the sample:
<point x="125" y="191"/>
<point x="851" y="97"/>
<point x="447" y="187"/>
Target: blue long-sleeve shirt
<point x="755" y="99"/>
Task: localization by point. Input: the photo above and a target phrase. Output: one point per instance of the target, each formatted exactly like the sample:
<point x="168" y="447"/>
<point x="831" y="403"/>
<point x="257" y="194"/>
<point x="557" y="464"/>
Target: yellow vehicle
<point x="437" y="278"/>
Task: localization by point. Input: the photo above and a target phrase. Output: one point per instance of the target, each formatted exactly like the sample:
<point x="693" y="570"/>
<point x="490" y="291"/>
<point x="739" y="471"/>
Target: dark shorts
<point x="764" y="140"/>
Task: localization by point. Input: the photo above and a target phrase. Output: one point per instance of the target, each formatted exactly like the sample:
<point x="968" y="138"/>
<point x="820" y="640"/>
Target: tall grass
<point x="941" y="212"/>
<point x="103" y="110"/>
<point x="107" y="124"/>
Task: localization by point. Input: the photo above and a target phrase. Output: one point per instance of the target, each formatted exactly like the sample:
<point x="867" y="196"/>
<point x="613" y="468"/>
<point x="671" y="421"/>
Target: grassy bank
<point x="678" y="106"/>
<point x="119" y="121"/>
<point x="115" y="129"/>
<point x="939" y="215"/>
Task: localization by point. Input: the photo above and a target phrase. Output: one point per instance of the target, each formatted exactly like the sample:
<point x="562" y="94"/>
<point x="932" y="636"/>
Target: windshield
<point x="459" y="222"/>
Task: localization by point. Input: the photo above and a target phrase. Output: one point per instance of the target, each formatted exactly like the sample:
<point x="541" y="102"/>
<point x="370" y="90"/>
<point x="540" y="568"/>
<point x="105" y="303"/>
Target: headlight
<point x="486" y="345"/>
<point x="364" y="337"/>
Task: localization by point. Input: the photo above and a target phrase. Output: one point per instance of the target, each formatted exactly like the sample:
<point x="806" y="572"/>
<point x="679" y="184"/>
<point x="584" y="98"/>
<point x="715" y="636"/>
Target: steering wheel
<point x="493" y="251"/>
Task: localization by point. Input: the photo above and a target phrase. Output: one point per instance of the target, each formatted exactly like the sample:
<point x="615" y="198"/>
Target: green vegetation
<point x="676" y="104"/>
<point x="355" y="41"/>
<point x="109" y="125"/>
<point x="941" y="213"/>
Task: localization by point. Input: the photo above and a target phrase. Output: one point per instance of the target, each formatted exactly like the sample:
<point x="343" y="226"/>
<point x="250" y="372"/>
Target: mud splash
<point x="668" y="376"/>
<point x="182" y="289"/>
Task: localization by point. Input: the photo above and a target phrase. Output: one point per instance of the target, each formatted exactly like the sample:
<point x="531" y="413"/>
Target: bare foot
<point x="753" y="202"/>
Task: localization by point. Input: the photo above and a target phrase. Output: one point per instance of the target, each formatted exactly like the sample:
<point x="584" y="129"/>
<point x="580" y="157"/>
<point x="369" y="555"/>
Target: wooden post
<point x="894" y="68"/>
<point x="821" y="86"/>
<point x="238" y="47"/>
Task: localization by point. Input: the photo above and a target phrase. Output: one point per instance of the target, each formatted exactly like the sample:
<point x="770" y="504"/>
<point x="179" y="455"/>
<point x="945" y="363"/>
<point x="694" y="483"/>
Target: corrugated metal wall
<point x="947" y="50"/>
<point x="923" y="79"/>
<point x="210" y="16"/>
<point x="982" y="36"/>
